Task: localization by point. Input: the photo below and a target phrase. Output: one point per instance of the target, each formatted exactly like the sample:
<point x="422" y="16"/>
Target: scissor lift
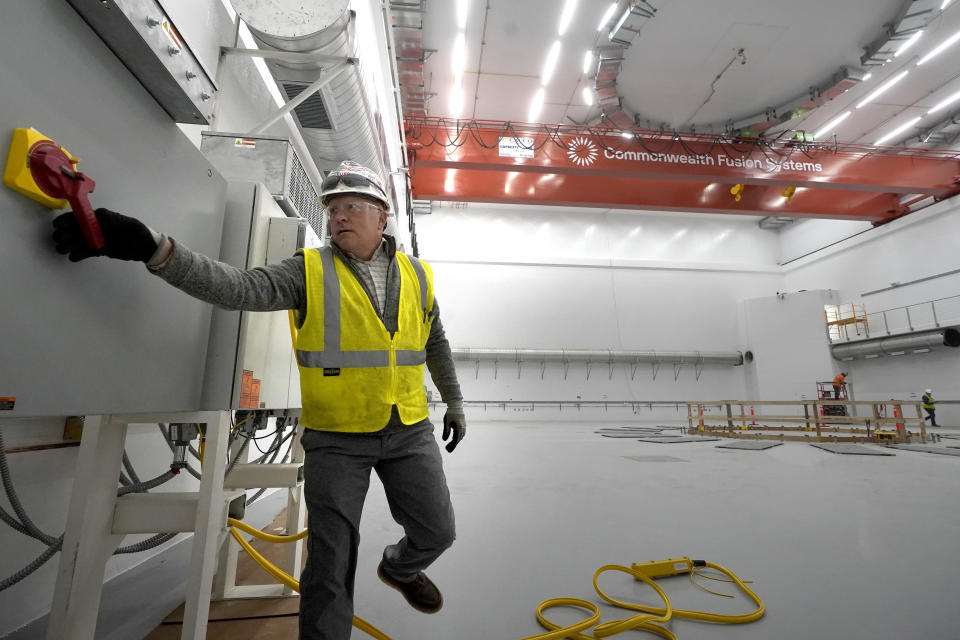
<point x="825" y="392"/>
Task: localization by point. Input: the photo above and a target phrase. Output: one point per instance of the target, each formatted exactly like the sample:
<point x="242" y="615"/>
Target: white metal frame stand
<point x="256" y="476"/>
<point x="97" y="521"/>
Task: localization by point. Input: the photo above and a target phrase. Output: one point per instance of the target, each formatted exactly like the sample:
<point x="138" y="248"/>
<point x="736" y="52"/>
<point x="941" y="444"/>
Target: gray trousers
<point x="336" y="477"/>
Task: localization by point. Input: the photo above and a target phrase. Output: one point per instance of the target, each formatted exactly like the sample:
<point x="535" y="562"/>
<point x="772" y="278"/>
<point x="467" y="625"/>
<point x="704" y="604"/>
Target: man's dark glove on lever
<point x="125" y="238"/>
<point x="456" y="423"/>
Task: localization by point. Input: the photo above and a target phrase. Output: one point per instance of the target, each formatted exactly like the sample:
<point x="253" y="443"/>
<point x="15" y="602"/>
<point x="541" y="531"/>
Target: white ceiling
<point x="789" y="46"/>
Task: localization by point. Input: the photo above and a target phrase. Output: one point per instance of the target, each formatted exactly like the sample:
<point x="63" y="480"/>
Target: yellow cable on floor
<point x="282" y="576"/>
<point x="266" y="537"/>
<point x="649" y="619"/>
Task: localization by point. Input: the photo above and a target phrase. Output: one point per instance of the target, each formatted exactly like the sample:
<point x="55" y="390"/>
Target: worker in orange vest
<point x="838" y="383"/>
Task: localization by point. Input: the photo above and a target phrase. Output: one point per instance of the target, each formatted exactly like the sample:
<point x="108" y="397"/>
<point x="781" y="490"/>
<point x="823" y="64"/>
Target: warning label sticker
<point x="172" y="35"/>
<point x="249" y="143"/>
<point x="6" y="404"/>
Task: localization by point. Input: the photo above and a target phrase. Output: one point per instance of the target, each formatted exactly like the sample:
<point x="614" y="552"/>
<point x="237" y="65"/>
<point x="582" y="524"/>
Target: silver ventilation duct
<point x="920" y="342"/>
<point x="731" y="358"/>
<point x="337" y="122"/>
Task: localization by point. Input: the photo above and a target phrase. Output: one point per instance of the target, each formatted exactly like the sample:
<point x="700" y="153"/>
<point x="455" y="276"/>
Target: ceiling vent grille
<point x="312" y="112"/>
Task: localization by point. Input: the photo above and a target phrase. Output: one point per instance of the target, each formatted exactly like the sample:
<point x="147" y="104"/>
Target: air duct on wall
<point x="731" y="358"/>
<point x="921" y="342"/>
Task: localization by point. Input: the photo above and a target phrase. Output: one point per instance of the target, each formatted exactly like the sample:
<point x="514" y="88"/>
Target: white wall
<point x="920" y="245"/>
<point x="554" y="278"/>
<point x="792" y="352"/>
<point x="812" y="234"/>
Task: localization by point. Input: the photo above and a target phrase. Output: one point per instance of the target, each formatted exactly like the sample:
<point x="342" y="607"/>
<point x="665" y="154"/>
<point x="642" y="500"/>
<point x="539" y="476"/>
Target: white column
<point x="88" y="540"/>
<point x="211" y="522"/>
<point x="296" y="515"/>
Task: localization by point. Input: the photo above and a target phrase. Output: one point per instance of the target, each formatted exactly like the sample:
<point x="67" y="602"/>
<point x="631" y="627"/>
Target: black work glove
<point x="454" y="421"/>
<point x="125" y="238"/>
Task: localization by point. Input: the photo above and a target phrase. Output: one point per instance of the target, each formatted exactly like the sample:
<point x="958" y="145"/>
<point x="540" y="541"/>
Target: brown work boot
<point x="420" y="592"/>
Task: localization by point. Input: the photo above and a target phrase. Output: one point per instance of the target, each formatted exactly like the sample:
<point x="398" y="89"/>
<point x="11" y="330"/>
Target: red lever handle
<point x="54" y="174"/>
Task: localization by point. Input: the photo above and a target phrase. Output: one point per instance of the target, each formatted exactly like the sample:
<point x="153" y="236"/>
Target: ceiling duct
<point x="407" y="25"/>
<point x="839" y="83"/>
<point x="912" y="16"/>
<point x="920" y="342"/>
<point x="337" y="122"/>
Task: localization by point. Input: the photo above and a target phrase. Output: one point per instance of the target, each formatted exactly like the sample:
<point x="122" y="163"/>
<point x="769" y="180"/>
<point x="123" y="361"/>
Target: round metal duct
<point x="293" y="25"/>
<point x="921" y="342"/>
<point x="732" y="358"/>
<point x="337" y="122"/>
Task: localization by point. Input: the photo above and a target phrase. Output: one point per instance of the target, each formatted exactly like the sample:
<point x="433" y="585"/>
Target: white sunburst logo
<point x="582" y="151"/>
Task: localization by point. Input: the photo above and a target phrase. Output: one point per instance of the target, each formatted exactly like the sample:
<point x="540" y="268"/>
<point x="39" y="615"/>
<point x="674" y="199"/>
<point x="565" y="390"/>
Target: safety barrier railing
<point x="820" y="420"/>
<point x="933" y="314"/>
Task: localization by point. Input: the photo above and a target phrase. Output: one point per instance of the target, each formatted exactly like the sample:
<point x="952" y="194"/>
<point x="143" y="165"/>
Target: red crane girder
<point x="577" y="166"/>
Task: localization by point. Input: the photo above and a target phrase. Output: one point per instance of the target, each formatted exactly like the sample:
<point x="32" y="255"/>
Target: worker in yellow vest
<point x="928" y="406"/>
<point x="368" y="323"/>
<point x="838" y="381"/>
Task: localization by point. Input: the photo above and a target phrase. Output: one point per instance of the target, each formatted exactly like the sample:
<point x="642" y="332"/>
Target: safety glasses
<point x="348" y="179"/>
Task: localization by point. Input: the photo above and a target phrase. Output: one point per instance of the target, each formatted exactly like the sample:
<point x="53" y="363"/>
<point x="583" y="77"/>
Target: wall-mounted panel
<point x="100" y="335"/>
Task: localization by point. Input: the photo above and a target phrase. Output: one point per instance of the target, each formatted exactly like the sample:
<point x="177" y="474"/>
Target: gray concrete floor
<point x="838" y="546"/>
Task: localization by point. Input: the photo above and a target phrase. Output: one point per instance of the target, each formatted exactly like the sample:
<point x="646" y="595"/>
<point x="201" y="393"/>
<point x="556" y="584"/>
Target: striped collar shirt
<point x="373" y="273"/>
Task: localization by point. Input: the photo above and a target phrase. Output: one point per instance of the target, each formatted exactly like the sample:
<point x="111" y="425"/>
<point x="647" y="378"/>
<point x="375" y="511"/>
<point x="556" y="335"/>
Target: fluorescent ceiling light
<point x="831" y="126"/>
<point x="459" y="59"/>
<point x="566" y="15"/>
<point x="940" y="47"/>
<point x="944" y="5"/>
<point x="626" y="134"/>
<point x="606" y="16"/>
<point x="909" y="43"/>
<point x="456" y="102"/>
<point x="587" y="61"/>
<point x="896" y="132"/>
<point x="588" y="96"/>
<point x="535" y="106"/>
<point x="550" y="64"/>
<point x="883" y="88"/>
<point x="462" y="10"/>
<point x="867" y="77"/>
<point x="946" y="103"/>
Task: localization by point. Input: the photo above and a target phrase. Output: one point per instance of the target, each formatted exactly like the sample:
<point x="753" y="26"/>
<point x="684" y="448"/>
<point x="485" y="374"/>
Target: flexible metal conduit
<point x="731" y="358"/>
<point x="920" y="342"/>
<point x="322" y="28"/>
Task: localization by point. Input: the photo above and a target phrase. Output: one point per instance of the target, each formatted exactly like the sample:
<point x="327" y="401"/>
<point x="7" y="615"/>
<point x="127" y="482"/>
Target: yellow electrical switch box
<point x="16" y="174"/>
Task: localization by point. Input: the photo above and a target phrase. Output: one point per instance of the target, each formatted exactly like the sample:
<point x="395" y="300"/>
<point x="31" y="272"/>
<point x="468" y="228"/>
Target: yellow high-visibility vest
<point x="351" y="371"/>
<point x="927" y="401"/>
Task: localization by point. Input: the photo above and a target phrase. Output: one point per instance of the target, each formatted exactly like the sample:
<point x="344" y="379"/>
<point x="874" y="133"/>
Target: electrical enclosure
<point x="250" y="363"/>
<point x="101" y="335"/>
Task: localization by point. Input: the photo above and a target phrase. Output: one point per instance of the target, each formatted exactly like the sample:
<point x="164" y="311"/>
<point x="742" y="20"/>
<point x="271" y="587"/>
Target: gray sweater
<point x="282" y="286"/>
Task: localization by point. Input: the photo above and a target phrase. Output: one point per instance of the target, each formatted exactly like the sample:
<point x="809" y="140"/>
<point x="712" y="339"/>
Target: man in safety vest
<point x="368" y="323"/>
<point x="928" y="404"/>
<point x="838" y="382"/>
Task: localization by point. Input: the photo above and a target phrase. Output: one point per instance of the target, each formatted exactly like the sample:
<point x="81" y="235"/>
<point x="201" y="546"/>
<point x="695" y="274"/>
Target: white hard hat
<point x="353" y="178"/>
<point x="927" y="391"/>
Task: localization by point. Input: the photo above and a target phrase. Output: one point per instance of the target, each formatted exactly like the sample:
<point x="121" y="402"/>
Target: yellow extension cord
<point x="649" y="618"/>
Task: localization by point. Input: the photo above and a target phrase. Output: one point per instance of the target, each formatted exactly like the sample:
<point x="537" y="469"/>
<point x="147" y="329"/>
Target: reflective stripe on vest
<point x="332" y="357"/>
<point x="422" y="279"/>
